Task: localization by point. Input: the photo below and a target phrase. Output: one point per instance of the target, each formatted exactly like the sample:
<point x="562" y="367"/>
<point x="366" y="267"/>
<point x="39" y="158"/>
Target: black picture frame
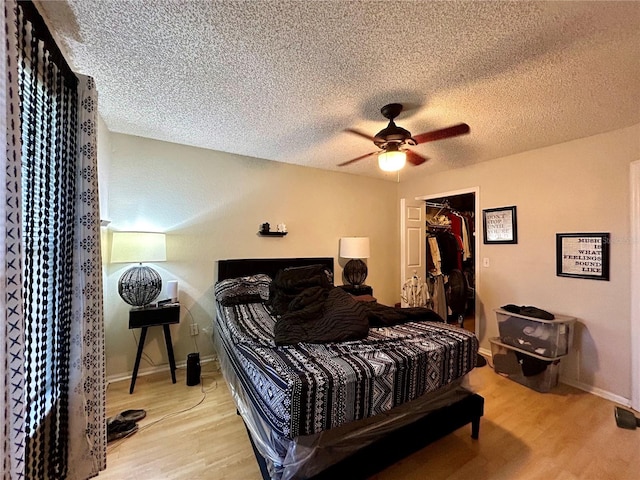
<point x="499" y="225"/>
<point x="583" y="255"/>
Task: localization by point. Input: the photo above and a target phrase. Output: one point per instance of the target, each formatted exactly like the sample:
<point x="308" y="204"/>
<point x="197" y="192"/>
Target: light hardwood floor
<point x="566" y="434"/>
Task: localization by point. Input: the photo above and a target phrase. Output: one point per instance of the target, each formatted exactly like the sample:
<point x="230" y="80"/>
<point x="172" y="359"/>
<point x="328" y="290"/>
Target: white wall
<point x="578" y="186"/>
<point x="211" y="204"/>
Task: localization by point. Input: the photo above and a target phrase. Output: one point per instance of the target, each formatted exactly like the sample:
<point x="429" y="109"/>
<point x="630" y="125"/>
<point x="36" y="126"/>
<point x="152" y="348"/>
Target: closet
<point x="450" y="247"/>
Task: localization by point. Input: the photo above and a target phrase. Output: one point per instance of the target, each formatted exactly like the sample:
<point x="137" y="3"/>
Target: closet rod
<point x="437" y="205"/>
<point x="442" y="206"/>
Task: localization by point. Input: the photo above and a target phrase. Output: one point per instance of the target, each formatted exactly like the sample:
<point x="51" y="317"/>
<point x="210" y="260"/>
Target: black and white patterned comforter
<point x="306" y="388"/>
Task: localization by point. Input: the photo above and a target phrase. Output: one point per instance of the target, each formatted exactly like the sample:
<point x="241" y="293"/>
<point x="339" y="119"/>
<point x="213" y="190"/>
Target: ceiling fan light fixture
<point x="392" y="160"/>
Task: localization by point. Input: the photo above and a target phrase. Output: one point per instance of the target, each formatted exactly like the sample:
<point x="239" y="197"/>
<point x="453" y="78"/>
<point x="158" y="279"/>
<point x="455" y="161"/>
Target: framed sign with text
<point x="582" y="255"/>
<point x="499" y="225"/>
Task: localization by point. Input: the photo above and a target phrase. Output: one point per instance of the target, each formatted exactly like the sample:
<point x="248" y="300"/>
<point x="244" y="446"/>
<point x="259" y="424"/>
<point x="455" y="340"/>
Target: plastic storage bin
<point x="533" y="371"/>
<point x="547" y="338"/>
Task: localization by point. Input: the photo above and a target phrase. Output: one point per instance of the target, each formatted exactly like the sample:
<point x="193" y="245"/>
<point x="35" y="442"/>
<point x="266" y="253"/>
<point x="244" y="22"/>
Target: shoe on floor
<point x="129" y="416"/>
<point x="133" y="415"/>
<point x="118" y="429"/>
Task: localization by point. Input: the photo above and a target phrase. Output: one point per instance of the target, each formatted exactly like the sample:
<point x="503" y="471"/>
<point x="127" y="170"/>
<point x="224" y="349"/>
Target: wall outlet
<point x="194" y="329"/>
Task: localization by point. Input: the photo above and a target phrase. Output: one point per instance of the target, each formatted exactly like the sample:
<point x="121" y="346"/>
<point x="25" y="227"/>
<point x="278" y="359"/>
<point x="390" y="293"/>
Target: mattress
<point x="305" y="389"/>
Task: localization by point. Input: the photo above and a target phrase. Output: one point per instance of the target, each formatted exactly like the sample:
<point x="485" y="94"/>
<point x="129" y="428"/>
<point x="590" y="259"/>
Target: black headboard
<point x="250" y="266"/>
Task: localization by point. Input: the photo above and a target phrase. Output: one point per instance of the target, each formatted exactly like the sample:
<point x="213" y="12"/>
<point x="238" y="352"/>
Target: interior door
<point x="413" y="240"/>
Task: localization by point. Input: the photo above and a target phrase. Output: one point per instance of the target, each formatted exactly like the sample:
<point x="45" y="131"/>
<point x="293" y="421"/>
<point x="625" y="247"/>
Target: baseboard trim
<point x="155" y="369"/>
<point x="485" y="352"/>
<point x="597" y="391"/>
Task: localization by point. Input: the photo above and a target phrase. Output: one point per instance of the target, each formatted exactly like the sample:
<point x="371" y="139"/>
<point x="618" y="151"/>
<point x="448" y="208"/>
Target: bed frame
<point x="398" y="443"/>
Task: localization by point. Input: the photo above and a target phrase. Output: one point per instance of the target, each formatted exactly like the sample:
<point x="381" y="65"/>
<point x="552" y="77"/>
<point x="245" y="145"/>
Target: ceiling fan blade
<point x="414" y="158"/>
<point x="356" y="159"/>
<point x="448" y="132"/>
<point x="351" y="130"/>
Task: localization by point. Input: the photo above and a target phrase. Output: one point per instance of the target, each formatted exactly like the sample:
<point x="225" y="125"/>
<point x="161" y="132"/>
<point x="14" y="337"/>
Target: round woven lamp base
<point x="139" y="286"/>
<point x="355" y="272"/>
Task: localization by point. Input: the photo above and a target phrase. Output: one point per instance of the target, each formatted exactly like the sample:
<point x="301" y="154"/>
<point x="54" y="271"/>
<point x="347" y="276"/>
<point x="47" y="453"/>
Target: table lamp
<point x="355" y="248"/>
<point x="140" y="285"/>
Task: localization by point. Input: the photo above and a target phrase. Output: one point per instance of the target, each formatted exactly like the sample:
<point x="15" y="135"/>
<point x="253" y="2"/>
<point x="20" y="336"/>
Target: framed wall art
<point x="582" y="255"/>
<point x="499" y="225"/>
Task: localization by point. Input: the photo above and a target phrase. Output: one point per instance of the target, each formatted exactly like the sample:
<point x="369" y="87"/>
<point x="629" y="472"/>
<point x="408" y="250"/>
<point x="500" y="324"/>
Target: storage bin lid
<point x="498" y="341"/>
<point x="557" y="319"/>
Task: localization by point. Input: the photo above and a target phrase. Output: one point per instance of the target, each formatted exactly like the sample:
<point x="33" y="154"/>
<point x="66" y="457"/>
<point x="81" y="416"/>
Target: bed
<point x="337" y="408"/>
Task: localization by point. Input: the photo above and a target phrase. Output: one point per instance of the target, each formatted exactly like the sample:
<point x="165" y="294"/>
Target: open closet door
<point x="412" y="241"/>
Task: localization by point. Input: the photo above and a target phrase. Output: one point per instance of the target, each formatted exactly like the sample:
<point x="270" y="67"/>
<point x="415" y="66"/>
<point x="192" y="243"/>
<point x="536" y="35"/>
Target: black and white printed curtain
<point x="52" y="342"/>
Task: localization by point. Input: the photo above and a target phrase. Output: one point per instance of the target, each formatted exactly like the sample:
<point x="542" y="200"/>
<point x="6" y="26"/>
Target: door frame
<point x="476" y="238"/>
<point x="634" y="178"/>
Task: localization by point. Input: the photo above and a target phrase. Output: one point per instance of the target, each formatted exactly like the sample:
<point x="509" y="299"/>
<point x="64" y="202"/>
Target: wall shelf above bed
<point x="272" y="234"/>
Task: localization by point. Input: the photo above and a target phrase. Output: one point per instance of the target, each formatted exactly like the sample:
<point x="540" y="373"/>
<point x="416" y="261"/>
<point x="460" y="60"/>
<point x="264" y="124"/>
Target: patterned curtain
<point x="87" y="425"/>
<point x="53" y="358"/>
<point x="12" y="325"/>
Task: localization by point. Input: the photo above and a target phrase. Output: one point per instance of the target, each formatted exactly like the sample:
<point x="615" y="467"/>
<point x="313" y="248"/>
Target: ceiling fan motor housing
<point x="392" y="134"/>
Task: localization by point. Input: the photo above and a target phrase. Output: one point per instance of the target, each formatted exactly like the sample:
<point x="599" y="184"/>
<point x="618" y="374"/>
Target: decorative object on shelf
<point x="265" y="230"/>
<point x="499" y="225"/>
<point x="140" y="285"/>
<point x="355" y="248"/>
<point x="582" y="255"/>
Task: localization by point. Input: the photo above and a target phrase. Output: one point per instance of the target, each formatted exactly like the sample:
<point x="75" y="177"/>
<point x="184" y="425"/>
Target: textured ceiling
<point x="281" y="80"/>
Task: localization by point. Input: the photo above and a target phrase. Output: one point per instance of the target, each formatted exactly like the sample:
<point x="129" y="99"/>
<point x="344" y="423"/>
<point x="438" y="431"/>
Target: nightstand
<point x="359" y="290"/>
<point x="151" y="317"/>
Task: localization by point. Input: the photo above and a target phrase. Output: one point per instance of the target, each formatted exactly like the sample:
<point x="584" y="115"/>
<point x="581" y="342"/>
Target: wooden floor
<point x="194" y="433"/>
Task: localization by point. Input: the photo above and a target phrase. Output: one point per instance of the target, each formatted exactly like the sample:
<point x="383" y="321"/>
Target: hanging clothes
<point x="459" y="227"/>
<point x="438" y="296"/>
<point x="415" y="293"/>
<point x="434" y="261"/>
<point x="449" y="252"/>
<point x="450" y="247"/>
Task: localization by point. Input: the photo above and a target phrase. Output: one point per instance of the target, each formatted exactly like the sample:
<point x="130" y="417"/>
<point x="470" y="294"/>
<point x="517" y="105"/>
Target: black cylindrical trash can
<point x="193" y="369"/>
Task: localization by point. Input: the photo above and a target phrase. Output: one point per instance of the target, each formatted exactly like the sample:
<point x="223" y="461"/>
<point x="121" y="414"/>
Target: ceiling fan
<point x="394" y="140"/>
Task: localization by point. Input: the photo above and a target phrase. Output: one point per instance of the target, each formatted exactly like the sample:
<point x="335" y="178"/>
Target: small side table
<point x="150" y="317"/>
<point x="359" y="290"/>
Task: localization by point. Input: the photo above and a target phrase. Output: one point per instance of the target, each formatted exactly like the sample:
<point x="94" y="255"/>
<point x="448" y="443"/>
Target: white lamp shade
<point x="354" y="247"/>
<point x="138" y="247"/>
<point x="392" y="161"/>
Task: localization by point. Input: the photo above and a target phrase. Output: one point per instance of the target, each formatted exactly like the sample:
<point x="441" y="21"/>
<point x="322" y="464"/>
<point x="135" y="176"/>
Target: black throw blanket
<point x="385" y="316"/>
<point x="291" y="282"/>
<point x="311" y="310"/>
<point x="337" y="318"/>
